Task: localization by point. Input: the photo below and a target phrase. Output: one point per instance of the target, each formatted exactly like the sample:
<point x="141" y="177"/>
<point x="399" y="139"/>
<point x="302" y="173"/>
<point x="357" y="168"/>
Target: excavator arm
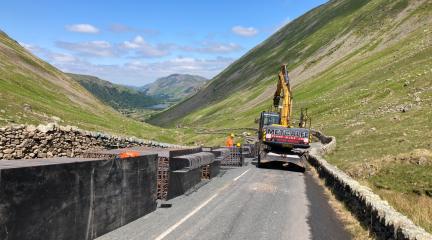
<point x="283" y="92"/>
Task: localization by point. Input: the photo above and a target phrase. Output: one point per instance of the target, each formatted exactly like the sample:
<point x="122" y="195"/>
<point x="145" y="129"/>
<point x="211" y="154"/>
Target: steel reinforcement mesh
<point x="205" y="172"/>
<point x="233" y="157"/>
<point x="162" y="178"/>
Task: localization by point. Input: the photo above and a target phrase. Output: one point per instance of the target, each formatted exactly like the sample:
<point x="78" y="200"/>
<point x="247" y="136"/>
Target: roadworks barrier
<point x="382" y="220"/>
<point x="180" y="181"/>
<point x="186" y="171"/>
<point x="178" y="169"/>
<point x="86" y="197"/>
<point x="74" y="198"/>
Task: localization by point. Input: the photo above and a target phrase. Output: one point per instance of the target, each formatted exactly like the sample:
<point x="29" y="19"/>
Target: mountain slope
<point x="309" y="45"/>
<point x="364" y="69"/>
<point x="115" y="95"/>
<point x="175" y="86"/>
<point x="32" y="91"/>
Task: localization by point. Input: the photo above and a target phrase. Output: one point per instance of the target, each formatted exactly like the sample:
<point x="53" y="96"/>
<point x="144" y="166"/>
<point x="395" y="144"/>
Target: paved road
<point x="244" y="203"/>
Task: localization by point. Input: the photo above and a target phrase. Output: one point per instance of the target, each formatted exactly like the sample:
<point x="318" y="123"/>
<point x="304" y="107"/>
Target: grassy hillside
<point x="175" y="87"/>
<point x="33" y="92"/>
<point x="364" y="69"/>
<point x="115" y="95"/>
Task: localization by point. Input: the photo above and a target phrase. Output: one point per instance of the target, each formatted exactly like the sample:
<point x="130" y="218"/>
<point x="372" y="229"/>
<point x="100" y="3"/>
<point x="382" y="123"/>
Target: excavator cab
<point x="270" y="118"/>
<point x="267" y="119"/>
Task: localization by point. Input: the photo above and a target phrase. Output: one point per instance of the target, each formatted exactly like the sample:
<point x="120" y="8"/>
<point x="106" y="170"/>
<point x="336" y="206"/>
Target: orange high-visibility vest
<point x="229" y="142"/>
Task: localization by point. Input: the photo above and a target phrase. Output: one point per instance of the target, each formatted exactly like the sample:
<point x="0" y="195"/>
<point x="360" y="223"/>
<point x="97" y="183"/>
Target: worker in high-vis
<point x="230" y="140"/>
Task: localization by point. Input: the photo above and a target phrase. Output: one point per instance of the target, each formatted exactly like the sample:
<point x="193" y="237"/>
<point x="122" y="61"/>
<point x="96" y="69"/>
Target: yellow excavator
<point x="278" y="139"/>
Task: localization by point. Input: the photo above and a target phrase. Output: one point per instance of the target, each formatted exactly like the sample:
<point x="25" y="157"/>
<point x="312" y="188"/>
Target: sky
<point x="134" y="42"/>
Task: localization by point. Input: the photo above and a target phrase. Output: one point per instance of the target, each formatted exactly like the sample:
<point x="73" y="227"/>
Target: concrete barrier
<point x="381" y="219"/>
<point x="69" y="199"/>
<point x="179" y="169"/>
<point x="214" y="168"/>
<point x="220" y="152"/>
<point x="186" y="172"/>
<point x="191" y="161"/>
<point x="175" y="152"/>
<point x="180" y="181"/>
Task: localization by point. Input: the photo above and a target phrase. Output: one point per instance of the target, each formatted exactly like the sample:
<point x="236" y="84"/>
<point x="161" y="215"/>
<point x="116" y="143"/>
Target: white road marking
<point x="237" y="178"/>
<point x="185" y="218"/>
<point x="173" y="227"/>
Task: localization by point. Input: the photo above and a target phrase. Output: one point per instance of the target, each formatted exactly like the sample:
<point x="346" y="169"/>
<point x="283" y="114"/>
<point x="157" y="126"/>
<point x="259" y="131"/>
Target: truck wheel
<point x="261" y="154"/>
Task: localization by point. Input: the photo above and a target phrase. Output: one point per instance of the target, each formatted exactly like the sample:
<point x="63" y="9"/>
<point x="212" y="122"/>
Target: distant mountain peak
<point x="175" y="86"/>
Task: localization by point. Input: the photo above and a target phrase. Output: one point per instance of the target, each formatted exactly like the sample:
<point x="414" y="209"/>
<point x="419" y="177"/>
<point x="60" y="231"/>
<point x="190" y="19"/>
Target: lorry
<point x="278" y="139"/>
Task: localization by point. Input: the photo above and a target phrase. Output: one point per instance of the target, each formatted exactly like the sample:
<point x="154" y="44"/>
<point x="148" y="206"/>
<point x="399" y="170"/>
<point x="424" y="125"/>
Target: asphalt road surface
<point x="243" y="203"/>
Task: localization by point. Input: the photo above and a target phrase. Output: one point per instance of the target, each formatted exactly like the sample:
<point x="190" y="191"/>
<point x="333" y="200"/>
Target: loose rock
<point x="27" y="107"/>
<point x="8" y="151"/>
<point x="24" y="142"/>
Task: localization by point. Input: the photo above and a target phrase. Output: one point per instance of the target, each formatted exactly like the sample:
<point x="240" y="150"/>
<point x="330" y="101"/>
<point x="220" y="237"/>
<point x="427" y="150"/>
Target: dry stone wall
<point x="381" y="219"/>
<point x="51" y="140"/>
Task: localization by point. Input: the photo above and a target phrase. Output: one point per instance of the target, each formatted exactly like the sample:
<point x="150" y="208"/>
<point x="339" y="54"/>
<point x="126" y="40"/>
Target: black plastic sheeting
<point x="69" y="199"/>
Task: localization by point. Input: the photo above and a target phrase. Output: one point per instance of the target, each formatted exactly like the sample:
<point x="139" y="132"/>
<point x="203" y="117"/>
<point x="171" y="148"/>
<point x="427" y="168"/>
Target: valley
<point x="362" y="68"/>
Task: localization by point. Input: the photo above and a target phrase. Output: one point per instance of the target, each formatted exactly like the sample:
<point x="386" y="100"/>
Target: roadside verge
<point x="373" y="212"/>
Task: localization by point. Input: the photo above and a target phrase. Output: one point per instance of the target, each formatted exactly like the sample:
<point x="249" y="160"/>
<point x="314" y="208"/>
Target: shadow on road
<point x="324" y="223"/>
<point x="276" y="165"/>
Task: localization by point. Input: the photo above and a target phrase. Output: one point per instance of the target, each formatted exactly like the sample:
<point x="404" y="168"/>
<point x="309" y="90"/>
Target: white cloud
<point x="135" y="72"/>
<point x="139" y="73"/>
<point x="137" y="42"/>
<point x="92" y="48"/>
<point x="82" y="28"/>
<point x="48" y="54"/>
<point x="203" y="67"/>
<point x="32" y="48"/>
<point x="244" y="31"/>
<point x="62" y="58"/>
<point x="144" y="49"/>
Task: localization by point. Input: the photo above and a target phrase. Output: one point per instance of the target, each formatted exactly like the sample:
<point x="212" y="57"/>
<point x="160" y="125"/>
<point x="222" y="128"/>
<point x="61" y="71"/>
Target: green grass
<point x="415" y="179"/>
<point x="23" y="81"/>
<point x="405" y="184"/>
<point x="46" y="104"/>
<point x="295" y="44"/>
<point x="115" y="95"/>
<point x="358" y="98"/>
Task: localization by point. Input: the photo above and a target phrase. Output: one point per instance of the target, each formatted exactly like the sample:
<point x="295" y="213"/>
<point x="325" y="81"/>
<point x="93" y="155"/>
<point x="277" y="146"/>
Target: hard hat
<point x="238" y="144"/>
<point x="232" y="134"/>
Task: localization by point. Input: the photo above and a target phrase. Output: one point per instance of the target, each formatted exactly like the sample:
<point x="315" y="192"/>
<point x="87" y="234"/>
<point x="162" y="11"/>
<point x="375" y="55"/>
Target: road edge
<point x="376" y="214"/>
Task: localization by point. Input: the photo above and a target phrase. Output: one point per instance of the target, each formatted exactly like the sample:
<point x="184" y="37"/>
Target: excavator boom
<point x="283" y="92"/>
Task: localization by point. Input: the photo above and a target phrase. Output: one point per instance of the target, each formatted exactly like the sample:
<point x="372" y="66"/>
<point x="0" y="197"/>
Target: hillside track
<point x="275" y="202"/>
